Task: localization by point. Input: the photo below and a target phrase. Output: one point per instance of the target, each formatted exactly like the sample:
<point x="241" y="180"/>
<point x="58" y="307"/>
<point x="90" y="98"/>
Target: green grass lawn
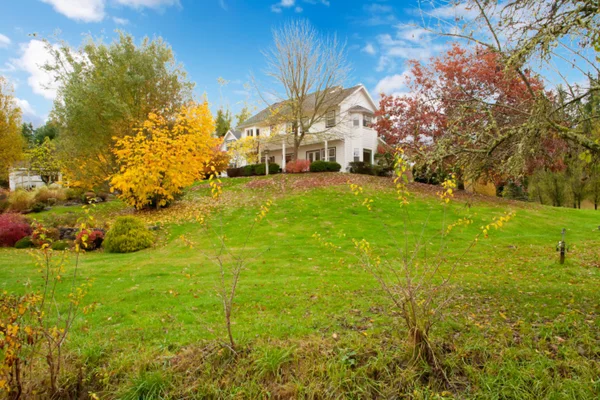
<point x="521" y="325"/>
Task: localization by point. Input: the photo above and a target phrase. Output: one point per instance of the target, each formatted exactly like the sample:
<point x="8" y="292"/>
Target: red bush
<point x="298" y="166"/>
<point x="93" y="239"/>
<point x="13" y="228"/>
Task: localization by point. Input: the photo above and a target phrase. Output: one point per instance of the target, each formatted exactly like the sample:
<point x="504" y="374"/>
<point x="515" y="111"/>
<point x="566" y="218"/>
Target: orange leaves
<point x="165" y="156"/>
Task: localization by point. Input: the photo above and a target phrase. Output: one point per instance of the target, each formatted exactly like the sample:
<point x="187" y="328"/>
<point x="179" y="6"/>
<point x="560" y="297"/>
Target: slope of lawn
<point x="520" y="325"/>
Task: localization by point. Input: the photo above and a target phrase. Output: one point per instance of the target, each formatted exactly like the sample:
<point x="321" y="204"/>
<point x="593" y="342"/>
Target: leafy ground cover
<point x="311" y="322"/>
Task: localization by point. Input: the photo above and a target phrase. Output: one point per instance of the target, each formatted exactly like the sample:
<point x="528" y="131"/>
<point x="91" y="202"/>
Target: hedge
<point x="253" y="170"/>
<point x="325" y="166"/>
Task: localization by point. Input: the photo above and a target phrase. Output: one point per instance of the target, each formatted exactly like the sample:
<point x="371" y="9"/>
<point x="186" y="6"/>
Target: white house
<point x="343" y="136"/>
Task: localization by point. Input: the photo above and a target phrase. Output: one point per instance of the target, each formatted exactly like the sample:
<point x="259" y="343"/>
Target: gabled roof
<point x="336" y="96"/>
<point x="360" y="109"/>
<point x="235" y="133"/>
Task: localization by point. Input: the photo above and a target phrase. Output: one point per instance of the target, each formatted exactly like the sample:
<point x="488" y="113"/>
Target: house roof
<point x="235" y="133"/>
<point x="360" y="109"/>
<point x="337" y="95"/>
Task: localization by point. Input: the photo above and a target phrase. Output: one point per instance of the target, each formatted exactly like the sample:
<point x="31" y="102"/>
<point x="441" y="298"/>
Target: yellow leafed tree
<point x="244" y="149"/>
<point x="11" y="141"/>
<point x="164" y="156"/>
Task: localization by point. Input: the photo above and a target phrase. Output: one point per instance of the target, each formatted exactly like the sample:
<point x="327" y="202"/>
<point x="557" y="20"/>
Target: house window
<point x="249" y="132"/>
<point x="330" y="122"/>
<point x="331" y="151"/>
<point x="367" y="121"/>
<point x="367" y="156"/>
<point x="314" y="155"/>
<point x="289" y="157"/>
<point x="318" y="155"/>
<point x="356" y="155"/>
<point x="356" y="121"/>
<point x="257" y="132"/>
<point x="271" y="159"/>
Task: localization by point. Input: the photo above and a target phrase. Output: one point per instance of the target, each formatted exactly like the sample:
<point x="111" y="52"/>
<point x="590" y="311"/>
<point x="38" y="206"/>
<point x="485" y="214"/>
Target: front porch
<point x="335" y="150"/>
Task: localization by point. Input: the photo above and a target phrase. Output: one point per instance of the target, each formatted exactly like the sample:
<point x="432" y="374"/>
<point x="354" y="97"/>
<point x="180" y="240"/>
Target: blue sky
<point x="218" y="38"/>
<point x="212" y="38"/>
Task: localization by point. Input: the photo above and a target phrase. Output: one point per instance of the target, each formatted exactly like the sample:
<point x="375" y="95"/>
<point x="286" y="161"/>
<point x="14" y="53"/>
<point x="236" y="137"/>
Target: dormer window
<point x="356" y="121"/>
<point x="249" y="132"/>
<point x="257" y="132"/>
<point x="330" y="122"/>
<point x="367" y="120"/>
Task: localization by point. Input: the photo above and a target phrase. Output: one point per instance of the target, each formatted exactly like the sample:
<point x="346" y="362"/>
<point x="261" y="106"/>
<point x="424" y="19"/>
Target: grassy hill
<point x="311" y="322"/>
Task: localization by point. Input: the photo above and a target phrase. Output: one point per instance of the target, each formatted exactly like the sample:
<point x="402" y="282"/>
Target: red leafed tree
<point x="466" y="109"/>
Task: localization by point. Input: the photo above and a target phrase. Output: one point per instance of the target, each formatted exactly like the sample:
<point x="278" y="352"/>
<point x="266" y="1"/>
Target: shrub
<point x="72" y="194"/>
<point x="297" y="166"/>
<point x="13" y="228"/>
<point x="90" y="239"/>
<point x="24" y="243"/>
<point x="235" y="172"/>
<point x="361" y="167"/>
<point x="20" y="200"/>
<point x="38" y="207"/>
<point x="325" y="166"/>
<point x="248" y="170"/>
<point x="332" y="166"/>
<point x="260" y="169"/>
<point x="60" y="245"/>
<point x="3" y="200"/>
<point x="42" y="235"/>
<point x="60" y="220"/>
<point x="50" y="194"/>
<point x="318" y="166"/>
<point x="128" y="235"/>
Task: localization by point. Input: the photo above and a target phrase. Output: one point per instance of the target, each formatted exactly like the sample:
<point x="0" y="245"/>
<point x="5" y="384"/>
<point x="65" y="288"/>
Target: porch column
<point x="373" y="157"/>
<point x="283" y="155"/>
<point x="326" y="152"/>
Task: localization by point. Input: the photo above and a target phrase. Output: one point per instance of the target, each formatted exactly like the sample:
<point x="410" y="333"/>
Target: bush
<point x="248" y="170"/>
<point x="42" y="235"/>
<point x="297" y="166"/>
<point x="332" y="166"/>
<point x="38" y="207"/>
<point x="128" y="235"/>
<point x="318" y="166"/>
<point x="13" y="228"/>
<point x="24" y="243"/>
<point x="260" y="169"/>
<point x="361" y="167"/>
<point x="61" y="245"/>
<point x="74" y="194"/>
<point x="49" y="194"/>
<point x="60" y="220"/>
<point x="4" y="200"/>
<point x="235" y="172"/>
<point x="20" y="200"/>
<point x="325" y="166"/>
<point x="90" y="239"/>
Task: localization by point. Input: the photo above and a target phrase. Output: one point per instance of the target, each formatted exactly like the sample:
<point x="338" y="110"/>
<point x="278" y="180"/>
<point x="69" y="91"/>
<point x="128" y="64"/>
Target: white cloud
<point x="148" y="3"/>
<point x="93" y="10"/>
<point x="369" y="49"/>
<point x="298" y="9"/>
<point x="33" y="56"/>
<point x="455" y="11"/>
<point x="120" y="21"/>
<point x="413" y="34"/>
<point x="25" y="107"/>
<point x="392" y="84"/>
<point x="4" y="41"/>
<point x="223" y="5"/>
<point x="79" y="10"/>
